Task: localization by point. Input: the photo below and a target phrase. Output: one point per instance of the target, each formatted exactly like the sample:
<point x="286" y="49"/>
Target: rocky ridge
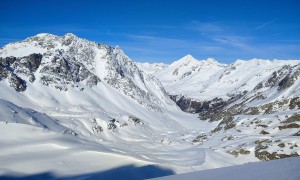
<point x="67" y="61"/>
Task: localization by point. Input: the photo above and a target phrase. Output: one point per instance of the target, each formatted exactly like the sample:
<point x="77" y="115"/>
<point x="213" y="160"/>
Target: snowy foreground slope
<point x="278" y="169"/>
<point x="71" y="108"/>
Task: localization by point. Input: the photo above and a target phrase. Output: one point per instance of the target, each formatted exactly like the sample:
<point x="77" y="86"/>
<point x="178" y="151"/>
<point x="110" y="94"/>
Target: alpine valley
<point x="75" y="109"/>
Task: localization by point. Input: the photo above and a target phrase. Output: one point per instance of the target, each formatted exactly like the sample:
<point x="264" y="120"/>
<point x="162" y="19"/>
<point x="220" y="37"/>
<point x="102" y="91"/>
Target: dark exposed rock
<point x="67" y="131"/>
<point x="123" y="125"/>
<point x="3" y="72"/>
<point x="187" y="104"/>
<point x="262" y="125"/>
<point x="7" y="61"/>
<point x="120" y="71"/>
<point x="289" y="126"/>
<point x="229" y="125"/>
<point x="62" y="72"/>
<point x="284" y="83"/>
<point x="92" y="80"/>
<point x="175" y="71"/>
<point x="283" y="78"/>
<point x="111" y="126"/>
<point x="33" y="61"/>
<point x="272" y="80"/>
<point x="252" y="111"/>
<point x="293" y="118"/>
<point x="264" y="132"/>
<point x="297" y="133"/>
<point x="59" y="72"/>
<point x="207" y="109"/>
<point x="134" y="120"/>
<point x="97" y="128"/>
<point x="294" y="103"/>
<point x="11" y="66"/>
<point x="282" y="145"/>
<point x="236" y="153"/>
<point x="264" y="155"/>
<point x="200" y="138"/>
<point x="217" y="129"/>
<point x="269" y="83"/>
<point x="17" y="83"/>
<point x="289" y="79"/>
<point x="186" y="74"/>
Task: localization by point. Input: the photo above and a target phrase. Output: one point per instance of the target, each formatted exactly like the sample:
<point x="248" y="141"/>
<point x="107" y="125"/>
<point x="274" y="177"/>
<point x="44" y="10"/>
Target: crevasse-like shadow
<point x="129" y="172"/>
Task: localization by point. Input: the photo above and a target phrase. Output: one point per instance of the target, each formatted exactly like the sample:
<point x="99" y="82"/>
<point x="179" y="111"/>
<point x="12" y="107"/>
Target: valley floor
<point x="33" y="152"/>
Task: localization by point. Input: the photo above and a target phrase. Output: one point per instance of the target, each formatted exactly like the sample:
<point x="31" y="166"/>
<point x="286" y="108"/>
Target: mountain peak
<point x="186" y="60"/>
<point x="70" y="34"/>
<point x="43" y="34"/>
<point x="188" y="57"/>
<point x="211" y="60"/>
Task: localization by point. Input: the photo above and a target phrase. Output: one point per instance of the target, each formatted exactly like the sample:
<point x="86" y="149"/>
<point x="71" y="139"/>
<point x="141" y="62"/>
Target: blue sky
<point x="164" y="30"/>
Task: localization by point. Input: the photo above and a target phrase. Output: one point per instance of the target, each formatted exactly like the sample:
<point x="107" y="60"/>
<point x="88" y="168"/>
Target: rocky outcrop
<point x="17" y="83"/>
<point x="262" y="153"/>
<point x="12" y="67"/>
<point x="282" y="79"/>
<point x="206" y="109"/>
<point x="61" y="72"/>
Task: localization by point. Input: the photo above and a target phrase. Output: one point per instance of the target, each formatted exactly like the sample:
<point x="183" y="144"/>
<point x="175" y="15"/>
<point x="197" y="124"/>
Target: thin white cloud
<point x="155" y="38"/>
<point x="205" y="28"/>
<point x="266" y="24"/>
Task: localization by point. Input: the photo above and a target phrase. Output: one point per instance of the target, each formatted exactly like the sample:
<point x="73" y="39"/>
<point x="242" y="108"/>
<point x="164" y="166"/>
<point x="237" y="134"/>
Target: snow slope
<point x="76" y="109"/>
<point x="278" y="169"/>
<point x="35" y="151"/>
<point x="126" y="110"/>
<point x="207" y="79"/>
<point x="151" y="68"/>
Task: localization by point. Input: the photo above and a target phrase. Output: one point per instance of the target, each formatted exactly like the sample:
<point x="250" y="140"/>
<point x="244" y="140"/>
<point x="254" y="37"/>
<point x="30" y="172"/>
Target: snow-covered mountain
<point x="84" y="99"/>
<point x="151" y="68"/>
<point x="249" y="97"/>
<point x="207" y="79"/>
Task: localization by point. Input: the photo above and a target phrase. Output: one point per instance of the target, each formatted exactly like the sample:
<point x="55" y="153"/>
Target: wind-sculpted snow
<point x="279" y="169"/>
<point x="10" y="113"/>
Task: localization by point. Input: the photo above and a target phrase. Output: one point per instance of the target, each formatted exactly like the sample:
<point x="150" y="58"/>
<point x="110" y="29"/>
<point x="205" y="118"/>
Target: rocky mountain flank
<point x="64" y="62"/>
<point x="255" y="96"/>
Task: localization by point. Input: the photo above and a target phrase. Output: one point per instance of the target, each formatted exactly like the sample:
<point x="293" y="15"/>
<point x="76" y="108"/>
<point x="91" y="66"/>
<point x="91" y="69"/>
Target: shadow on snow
<point x="124" y="172"/>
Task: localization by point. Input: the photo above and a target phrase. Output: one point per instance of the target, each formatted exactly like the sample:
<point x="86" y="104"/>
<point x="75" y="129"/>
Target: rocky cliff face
<point x="12" y="67"/>
<point x="64" y="62"/>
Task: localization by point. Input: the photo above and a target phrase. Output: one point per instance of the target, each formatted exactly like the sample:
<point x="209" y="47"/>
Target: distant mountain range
<point x="189" y="115"/>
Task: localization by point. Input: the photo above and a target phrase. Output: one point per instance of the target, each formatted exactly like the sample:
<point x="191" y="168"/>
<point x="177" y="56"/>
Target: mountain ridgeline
<point x="94" y="91"/>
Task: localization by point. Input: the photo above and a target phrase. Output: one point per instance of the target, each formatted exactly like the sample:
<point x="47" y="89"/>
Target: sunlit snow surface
<point x="278" y="169"/>
<point x="48" y="133"/>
